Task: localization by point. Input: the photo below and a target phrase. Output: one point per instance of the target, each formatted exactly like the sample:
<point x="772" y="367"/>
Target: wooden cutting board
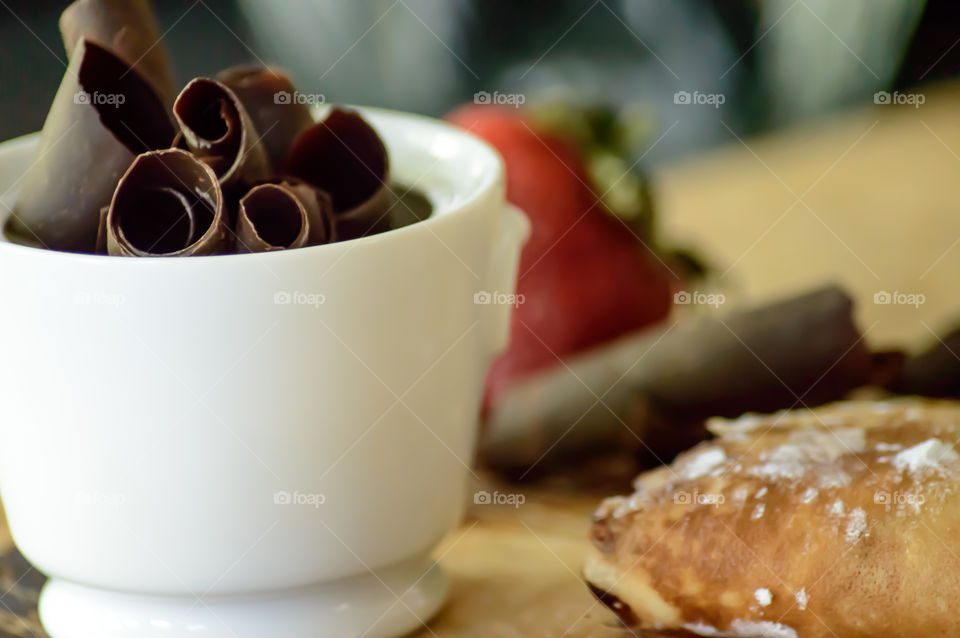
<point x="869" y="198"/>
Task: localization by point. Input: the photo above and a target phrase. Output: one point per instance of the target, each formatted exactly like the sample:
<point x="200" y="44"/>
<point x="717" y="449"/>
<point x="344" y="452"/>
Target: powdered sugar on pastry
<point x="802" y="599"/>
<point x="703" y="463"/>
<point x="856" y="526"/>
<point x="836" y="508"/>
<point x="743" y="629"/>
<point x="763" y="597"/>
<point x="868" y="490"/>
<point x="931" y="455"/>
<point x="806" y="448"/>
<point x="762" y="629"/>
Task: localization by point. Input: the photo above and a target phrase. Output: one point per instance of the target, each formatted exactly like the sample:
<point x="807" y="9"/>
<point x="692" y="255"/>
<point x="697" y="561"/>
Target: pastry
<point x="837" y="522"/>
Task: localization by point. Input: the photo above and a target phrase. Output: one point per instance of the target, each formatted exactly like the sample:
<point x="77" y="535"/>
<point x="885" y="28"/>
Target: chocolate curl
<point x="279" y="216"/>
<point x="934" y="372"/>
<point x="344" y="156"/>
<point x="169" y="204"/>
<point x="104" y="115"/>
<point x="654" y="385"/>
<point x="323" y="229"/>
<point x="129" y="29"/>
<point x="269" y="97"/>
<point x="216" y="127"/>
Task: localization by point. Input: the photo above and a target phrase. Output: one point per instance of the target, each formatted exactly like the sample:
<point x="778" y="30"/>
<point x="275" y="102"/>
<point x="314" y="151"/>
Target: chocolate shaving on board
<point x="935" y="371"/>
<point x="344" y="156"/>
<point x="169" y="204"/>
<point x="270" y="100"/>
<point x="104" y="115"/>
<point x="284" y="215"/>
<point x="129" y="29"/>
<point x="760" y="359"/>
<point x="217" y="128"/>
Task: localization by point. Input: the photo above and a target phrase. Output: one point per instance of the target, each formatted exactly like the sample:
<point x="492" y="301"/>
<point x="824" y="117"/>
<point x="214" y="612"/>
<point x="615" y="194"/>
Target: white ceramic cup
<point x="254" y="445"/>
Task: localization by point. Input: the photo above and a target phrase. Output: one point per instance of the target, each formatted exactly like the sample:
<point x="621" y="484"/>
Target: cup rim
<point x="492" y="179"/>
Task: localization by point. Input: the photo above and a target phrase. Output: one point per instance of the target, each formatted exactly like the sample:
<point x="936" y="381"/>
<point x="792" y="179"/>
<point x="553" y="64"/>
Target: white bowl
<point x="255" y="445"/>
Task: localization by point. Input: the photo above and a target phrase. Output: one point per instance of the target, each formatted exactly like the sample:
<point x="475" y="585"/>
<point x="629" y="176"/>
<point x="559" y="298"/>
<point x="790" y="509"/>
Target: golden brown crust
<point x="841" y="521"/>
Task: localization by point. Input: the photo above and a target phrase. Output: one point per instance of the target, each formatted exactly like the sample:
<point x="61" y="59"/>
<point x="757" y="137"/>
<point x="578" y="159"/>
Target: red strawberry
<point x="584" y="275"/>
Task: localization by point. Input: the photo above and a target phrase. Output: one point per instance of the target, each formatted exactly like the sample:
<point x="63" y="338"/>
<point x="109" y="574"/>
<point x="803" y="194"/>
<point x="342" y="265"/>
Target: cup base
<point x="388" y="603"/>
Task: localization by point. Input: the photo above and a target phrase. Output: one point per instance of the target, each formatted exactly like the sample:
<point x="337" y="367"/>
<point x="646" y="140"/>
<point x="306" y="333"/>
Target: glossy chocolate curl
<point x="169" y="204"/>
<point x="104" y="115"/>
<point x="217" y="129"/>
<point x="270" y="99"/>
<point x="280" y="216"/>
<point x="129" y="29"/>
<point x="323" y="229"/>
<point x="344" y="156"/>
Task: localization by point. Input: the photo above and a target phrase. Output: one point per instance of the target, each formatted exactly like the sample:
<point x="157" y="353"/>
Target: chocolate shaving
<point x="344" y="156"/>
<point x="284" y="215"/>
<point x="934" y="372"/>
<point x="217" y="128"/>
<point x="323" y="230"/>
<point x="658" y="384"/>
<point x="104" y="114"/>
<point x="169" y="204"/>
<point x="129" y="29"/>
<point x="270" y="100"/>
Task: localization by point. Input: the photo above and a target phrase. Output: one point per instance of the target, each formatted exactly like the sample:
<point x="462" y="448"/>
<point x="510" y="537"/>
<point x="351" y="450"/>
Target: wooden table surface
<point x="869" y="198"/>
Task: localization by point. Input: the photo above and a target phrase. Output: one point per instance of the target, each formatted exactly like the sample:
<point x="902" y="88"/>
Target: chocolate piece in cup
<point x="169" y="204"/>
<point x="344" y="156"/>
<point x="283" y="215"/>
<point x="268" y="96"/>
<point x="103" y="116"/>
<point x="129" y="29"/>
<point x="216" y="127"/>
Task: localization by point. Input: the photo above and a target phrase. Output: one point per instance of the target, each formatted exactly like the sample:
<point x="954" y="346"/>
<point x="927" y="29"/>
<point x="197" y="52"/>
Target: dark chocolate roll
<point x="323" y="229"/>
<point x="280" y="216"/>
<point x="129" y="29"/>
<point x="270" y="99"/>
<point x="344" y="156"/>
<point x="168" y="204"/>
<point x="104" y="115"/>
<point x="217" y="128"/>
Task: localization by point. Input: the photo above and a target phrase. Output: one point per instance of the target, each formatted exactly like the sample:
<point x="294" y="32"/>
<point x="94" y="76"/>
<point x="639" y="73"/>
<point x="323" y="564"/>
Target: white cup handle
<point x="512" y="234"/>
